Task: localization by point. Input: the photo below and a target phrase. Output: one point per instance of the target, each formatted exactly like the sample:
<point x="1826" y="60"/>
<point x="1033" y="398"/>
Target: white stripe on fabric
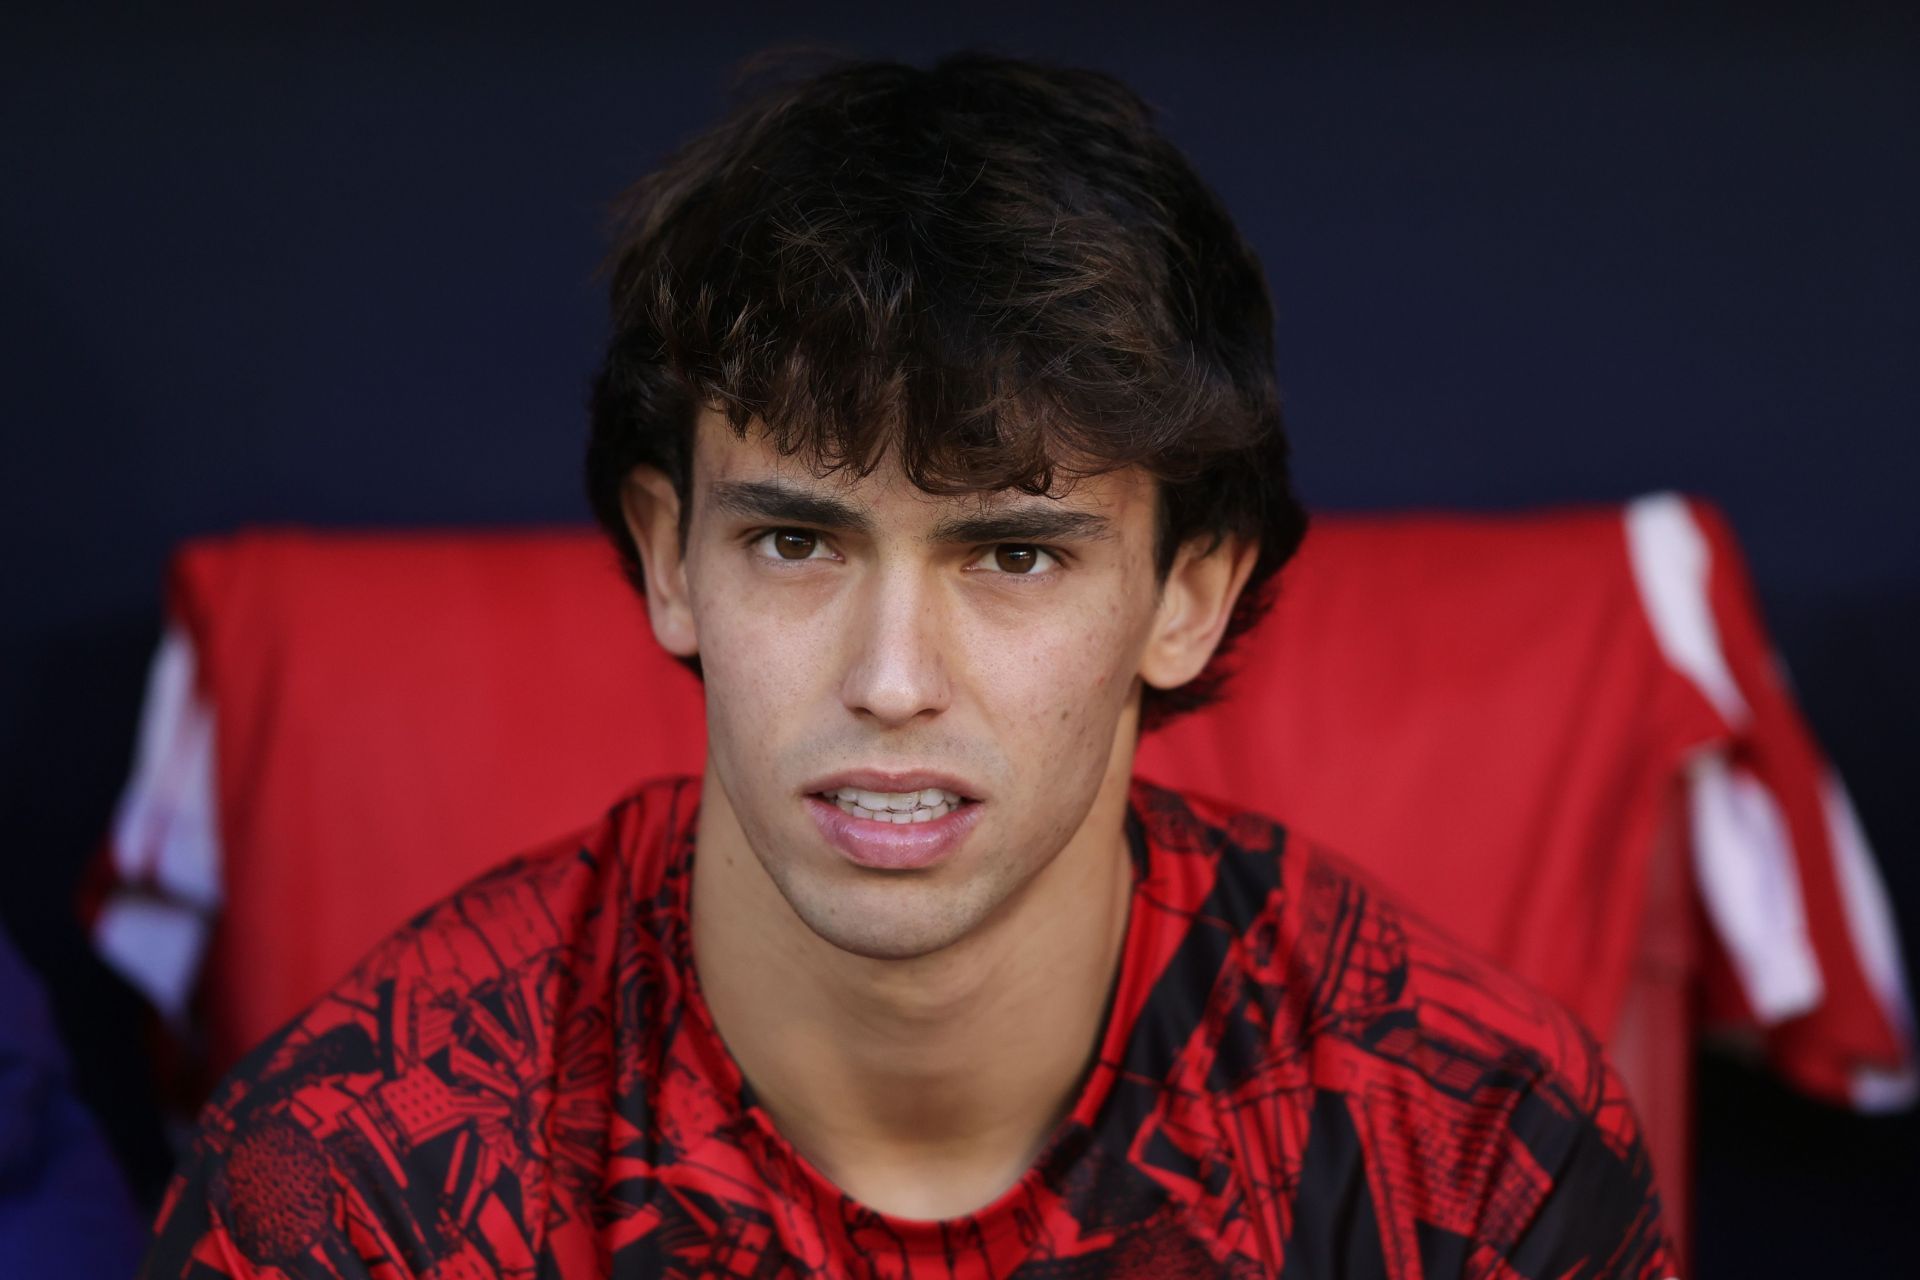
<point x="1743" y="863"/>
<point x="166" y="831"/>
<point x="156" y="945"/>
<point x="165" y="843"/>
<point x="1671" y="562"/>
<point x="1879" y="1092"/>
<point x="1876" y="943"/>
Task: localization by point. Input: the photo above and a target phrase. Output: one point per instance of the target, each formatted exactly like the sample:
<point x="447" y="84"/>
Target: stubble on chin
<point x="887" y="915"/>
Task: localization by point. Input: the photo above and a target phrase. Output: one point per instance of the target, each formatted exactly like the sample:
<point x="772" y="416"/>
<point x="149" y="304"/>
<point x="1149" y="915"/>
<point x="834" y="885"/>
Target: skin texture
<point x="916" y="1034"/>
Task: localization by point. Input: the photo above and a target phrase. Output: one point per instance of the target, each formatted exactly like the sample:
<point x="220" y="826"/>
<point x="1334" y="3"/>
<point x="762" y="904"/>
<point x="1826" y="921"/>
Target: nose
<point x="897" y="662"/>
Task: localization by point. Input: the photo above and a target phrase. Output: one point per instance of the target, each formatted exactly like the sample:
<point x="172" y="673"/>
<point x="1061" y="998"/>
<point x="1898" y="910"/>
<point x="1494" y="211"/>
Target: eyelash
<point x="759" y="536"/>
<point x="755" y="538"/>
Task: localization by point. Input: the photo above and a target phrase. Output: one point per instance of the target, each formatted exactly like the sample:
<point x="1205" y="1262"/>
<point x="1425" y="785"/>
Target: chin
<point x="888" y="921"/>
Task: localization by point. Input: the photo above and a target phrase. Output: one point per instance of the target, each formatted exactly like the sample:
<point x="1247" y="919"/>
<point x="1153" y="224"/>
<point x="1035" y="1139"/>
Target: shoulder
<point x="565" y="908"/>
<point x="473" y="1025"/>
<point x="1363" y="963"/>
<point x="1481" y="1110"/>
<point x="565" y="898"/>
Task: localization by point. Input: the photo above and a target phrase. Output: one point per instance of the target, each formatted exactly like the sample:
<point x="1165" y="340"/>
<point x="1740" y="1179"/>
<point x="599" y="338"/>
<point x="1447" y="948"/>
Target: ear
<point x="652" y="509"/>
<point x="1196" y="603"/>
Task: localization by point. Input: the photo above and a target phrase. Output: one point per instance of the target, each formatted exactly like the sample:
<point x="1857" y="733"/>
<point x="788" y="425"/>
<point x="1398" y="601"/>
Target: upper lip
<point x="889" y="780"/>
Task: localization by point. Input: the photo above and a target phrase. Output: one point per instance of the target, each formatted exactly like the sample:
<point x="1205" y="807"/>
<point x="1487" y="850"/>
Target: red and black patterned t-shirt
<point x="1295" y="1079"/>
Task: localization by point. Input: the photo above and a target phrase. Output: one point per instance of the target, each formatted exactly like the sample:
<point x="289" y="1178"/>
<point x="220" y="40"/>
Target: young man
<point x="939" y="430"/>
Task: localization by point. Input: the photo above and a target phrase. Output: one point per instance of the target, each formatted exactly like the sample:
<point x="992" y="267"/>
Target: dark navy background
<point x="337" y="269"/>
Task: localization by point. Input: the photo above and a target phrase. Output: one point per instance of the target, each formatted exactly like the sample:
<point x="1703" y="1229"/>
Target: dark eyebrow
<point x="777" y="502"/>
<point x="773" y="501"/>
<point x="1023" y="524"/>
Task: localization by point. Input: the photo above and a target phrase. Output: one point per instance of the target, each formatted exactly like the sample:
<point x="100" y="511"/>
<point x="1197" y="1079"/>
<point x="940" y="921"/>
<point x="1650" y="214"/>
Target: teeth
<point x="899" y="807"/>
<point x="897" y="801"/>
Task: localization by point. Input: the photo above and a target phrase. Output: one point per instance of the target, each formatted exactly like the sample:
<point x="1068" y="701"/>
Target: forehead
<point x="728" y="464"/>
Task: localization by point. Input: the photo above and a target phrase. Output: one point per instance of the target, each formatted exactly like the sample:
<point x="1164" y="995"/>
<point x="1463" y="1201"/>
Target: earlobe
<point x="652" y="508"/>
<point x="1196" y="604"/>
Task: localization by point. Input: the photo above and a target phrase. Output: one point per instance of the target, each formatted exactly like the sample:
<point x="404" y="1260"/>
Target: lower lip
<point x="892" y="846"/>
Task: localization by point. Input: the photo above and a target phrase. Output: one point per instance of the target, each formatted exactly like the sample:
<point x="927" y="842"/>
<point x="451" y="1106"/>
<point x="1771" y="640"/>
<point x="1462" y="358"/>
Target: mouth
<point x="902" y="808"/>
<point x="894" y="822"/>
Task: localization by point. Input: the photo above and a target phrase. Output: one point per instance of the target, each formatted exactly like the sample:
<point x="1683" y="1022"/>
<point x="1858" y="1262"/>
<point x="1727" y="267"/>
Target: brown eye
<point x="1015" y="558"/>
<point x="794" y="544"/>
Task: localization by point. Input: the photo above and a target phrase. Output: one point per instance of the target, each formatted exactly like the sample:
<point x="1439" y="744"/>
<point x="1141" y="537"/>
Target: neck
<point x="922" y="1087"/>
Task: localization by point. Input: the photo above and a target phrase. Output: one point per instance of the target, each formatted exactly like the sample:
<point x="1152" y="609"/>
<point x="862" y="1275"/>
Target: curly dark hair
<point x="996" y="271"/>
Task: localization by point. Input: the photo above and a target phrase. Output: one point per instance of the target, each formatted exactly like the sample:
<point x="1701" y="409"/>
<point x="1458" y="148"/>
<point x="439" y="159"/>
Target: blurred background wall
<point x="335" y="268"/>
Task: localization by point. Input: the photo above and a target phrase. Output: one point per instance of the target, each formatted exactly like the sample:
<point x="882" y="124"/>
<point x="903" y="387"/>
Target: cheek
<point x="1052" y="698"/>
<point x="761" y="668"/>
<point x="1059" y="685"/>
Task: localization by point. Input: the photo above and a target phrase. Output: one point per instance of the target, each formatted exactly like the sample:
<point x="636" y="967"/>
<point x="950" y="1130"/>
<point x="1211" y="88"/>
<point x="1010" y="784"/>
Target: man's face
<point x="859" y="635"/>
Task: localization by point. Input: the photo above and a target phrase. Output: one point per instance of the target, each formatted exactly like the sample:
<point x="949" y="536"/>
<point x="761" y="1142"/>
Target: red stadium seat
<point x="1561" y="735"/>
